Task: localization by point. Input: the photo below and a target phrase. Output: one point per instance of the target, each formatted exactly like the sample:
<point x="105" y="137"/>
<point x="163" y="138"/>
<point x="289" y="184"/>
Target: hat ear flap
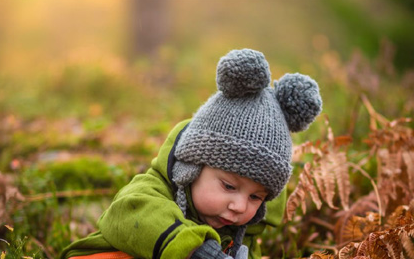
<point x="299" y="99"/>
<point x="185" y="173"/>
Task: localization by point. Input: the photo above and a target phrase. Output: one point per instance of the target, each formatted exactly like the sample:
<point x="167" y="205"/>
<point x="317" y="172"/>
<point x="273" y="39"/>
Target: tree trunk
<point x="148" y="26"/>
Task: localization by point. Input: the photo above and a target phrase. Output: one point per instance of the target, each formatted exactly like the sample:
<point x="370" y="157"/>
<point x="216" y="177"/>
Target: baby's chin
<point x="215" y="225"/>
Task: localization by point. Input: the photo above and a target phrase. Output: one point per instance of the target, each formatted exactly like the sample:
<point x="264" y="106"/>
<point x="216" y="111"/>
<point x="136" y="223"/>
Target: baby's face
<point x="222" y="198"/>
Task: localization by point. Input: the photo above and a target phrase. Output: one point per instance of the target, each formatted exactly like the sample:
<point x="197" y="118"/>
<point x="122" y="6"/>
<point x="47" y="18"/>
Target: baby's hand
<point x="210" y="249"/>
<point x="242" y="253"/>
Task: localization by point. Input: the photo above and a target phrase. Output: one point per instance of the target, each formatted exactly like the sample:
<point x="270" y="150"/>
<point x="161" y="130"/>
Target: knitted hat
<point x="245" y="127"/>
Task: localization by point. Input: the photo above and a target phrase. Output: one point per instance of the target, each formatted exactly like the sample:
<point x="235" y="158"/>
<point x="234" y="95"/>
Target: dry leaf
<point x="321" y="255"/>
<point x="348" y="251"/>
<point x="372" y="247"/>
<point x="9" y="228"/>
<point x="400" y="217"/>
<point x="342" y="141"/>
<point x="352" y="230"/>
<point x="10" y="197"/>
<point x="407" y="239"/>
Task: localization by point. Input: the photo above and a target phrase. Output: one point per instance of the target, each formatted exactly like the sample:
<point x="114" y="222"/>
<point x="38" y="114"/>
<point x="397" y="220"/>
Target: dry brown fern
<point x="393" y="240"/>
<point x="403" y="215"/>
<point x="328" y="170"/>
<point x="342" y="178"/>
<point x="356" y="228"/>
<point x="298" y="195"/>
<point x="392" y="146"/>
<point x="392" y="143"/>
<point x="321" y="255"/>
<point x="408" y="160"/>
<point x="363" y="206"/>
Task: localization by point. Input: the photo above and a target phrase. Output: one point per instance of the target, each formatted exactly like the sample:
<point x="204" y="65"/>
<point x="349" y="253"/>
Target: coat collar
<point x="172" y="159"/>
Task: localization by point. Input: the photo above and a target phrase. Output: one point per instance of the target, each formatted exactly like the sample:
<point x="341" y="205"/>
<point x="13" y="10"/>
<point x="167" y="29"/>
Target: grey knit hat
<point x="245" y="127"/>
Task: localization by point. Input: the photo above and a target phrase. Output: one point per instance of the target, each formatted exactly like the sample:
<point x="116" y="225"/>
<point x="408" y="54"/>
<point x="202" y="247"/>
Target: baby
<point x="205" y="194"/>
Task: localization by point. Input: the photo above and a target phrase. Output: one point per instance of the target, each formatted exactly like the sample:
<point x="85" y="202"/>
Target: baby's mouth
<point x="225" y="221"/>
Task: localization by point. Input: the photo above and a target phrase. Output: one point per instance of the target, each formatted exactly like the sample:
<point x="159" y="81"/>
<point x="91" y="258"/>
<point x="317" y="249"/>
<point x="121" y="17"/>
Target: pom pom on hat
<point x="242" y="72"/>
<point x="299" y="98"/>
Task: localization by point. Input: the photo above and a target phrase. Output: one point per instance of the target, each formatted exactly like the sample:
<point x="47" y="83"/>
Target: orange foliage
<point x="359" y="231"/>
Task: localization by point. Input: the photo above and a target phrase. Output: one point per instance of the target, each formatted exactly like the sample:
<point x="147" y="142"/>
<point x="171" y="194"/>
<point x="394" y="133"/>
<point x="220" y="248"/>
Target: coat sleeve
<point x="145" y="222"/>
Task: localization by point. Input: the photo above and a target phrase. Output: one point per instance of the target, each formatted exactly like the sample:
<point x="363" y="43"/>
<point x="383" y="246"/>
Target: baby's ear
<point x="299" y="99"/>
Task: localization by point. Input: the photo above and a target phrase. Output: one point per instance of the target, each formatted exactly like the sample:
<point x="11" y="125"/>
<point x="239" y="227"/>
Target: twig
<point x="68" y="194"/>
<point x="354" y="116"/>
<point x="5" y="241"/>
<point x="364" y="173"/>
<point x="373" y="114"/>
<point x="322" y="223"/>
<point x="317" y="246"/>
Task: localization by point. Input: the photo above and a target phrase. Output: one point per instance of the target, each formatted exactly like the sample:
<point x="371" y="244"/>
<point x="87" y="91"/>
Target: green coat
<point x="145" y="222"/>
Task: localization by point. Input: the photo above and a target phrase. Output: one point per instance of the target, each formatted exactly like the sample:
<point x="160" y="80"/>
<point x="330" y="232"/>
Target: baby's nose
<point x="238" y="204"/>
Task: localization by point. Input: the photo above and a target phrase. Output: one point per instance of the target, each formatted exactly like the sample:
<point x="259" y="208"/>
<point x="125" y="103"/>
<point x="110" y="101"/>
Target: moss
<point x="77" y="174"/>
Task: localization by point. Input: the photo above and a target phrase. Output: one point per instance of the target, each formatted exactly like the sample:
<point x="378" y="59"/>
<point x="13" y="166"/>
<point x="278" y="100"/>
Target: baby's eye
<point x="256" y="197"/>
<point x="228" y="186"/>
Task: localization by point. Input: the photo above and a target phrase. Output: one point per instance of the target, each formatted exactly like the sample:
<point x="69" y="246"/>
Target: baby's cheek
<point x="251" y="213"/>
<point x="211" y="201"/>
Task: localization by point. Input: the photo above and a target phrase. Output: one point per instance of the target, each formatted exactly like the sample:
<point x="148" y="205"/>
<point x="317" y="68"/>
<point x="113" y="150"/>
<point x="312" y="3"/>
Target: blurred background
<point x="88" y="87"/>
<point x="158" y="58"/>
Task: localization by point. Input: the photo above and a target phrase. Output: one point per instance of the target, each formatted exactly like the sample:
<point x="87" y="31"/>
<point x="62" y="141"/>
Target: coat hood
<point x="165" y="160"/>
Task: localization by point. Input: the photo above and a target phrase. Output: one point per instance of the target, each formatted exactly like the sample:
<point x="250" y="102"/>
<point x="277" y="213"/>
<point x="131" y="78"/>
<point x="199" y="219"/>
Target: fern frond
<point x="391" y="239"/>
<point x="400" y="217"/>
<point x="342" y="178"/>
<point x="390" y="162"/>
<point x="297" y="197"/>
<point x="373" y="247"/>
<point x="408" y="159"/>
<point x="310" y="187"/>
<point x="319" y="180"/>
<point x="410" y="231"/>
<point x="372" y="222"/>
<point x="327" y="180"/>
<point x="355" y="228"/>
<point x="396" y="243"/>
<point x="360" y="207"/>
<point x="307" y="148"/>
<point x="348" y="251"/>
<point x="408" y="245"/>
<point x="352" y="230"/>
<point x="321" y="255"/>
<point x="407" y="239"/>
